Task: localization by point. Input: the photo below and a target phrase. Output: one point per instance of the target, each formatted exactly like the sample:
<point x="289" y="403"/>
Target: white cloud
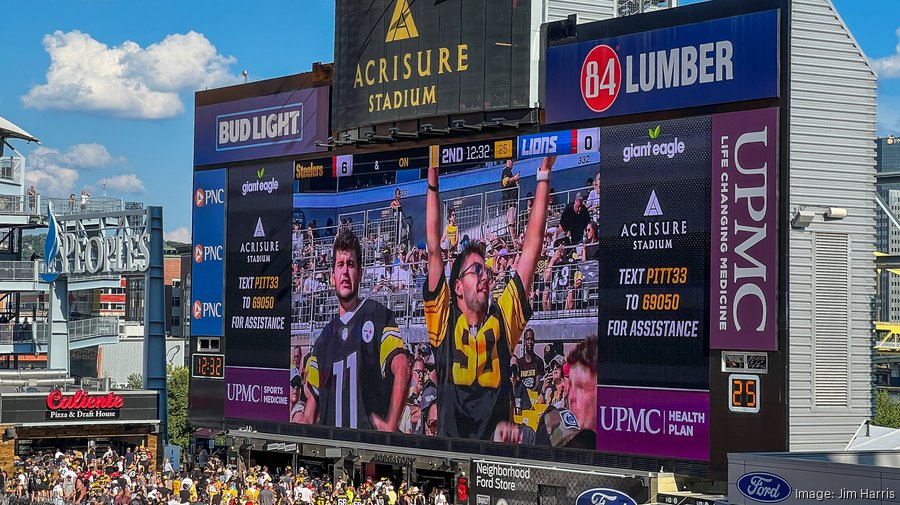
<point x="181" y="234"/>
<point x="48" y="173"/>
<point x="127" y="80"/>
<point x="89" y="156"/>
<point x="54" y="172"/>
<point x="889" y="66"/>
<point x="126" y="183"/>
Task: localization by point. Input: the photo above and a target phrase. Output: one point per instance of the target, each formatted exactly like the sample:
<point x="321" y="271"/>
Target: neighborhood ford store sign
<point x="718" y="61"/>
<point x="764" y="487"/>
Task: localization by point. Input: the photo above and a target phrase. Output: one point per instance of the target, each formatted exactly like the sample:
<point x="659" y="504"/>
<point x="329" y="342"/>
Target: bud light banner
<point x="269" y="126"/>
<point x="718" y="61"/>
<point x="744" y="249"/>
<point x="665" y="423"/>
<point x="259" y="394"/>
<point x="208" y="252"/>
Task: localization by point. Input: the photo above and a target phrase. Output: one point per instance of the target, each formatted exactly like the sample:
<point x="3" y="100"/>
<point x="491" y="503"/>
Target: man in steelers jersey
<point x="472" y="338"/>
<point x="358" y="370"/>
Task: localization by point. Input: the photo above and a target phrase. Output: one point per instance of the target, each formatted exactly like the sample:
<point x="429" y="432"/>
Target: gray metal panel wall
<point x="832" y="163"/>
<point x="587" y="10"/>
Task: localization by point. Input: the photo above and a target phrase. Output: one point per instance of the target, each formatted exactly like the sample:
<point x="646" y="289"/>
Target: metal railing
<point x="21" y="205"/>
<point x="469" y="212"/>
<point x="93" y="327"/>
<point x="66" y="206"/>
<point x="81" y="329"/>
<point x="26" y="271"/>
<point x="85" y="277"/>
<point x="11" y="333"/>
<point x="479" y="216"/>
<point x="560" y="291"/>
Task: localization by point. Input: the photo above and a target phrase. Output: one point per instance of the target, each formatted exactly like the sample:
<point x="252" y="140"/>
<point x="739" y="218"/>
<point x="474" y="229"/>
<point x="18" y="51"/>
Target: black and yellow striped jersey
<point x="349" y="369"/>
<point x="473" y="364"/>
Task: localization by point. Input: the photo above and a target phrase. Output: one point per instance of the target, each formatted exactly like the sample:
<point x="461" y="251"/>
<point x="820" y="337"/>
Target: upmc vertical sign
<point x="744" y="249"/>
<point x="718" y="61"/>
<point x="208" y="253"/>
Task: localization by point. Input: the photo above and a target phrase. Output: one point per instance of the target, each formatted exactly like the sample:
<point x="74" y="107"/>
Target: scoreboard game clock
<point x="208" y="366"/>
<point x="743" y="393"/>
<point x="482" y="151"/>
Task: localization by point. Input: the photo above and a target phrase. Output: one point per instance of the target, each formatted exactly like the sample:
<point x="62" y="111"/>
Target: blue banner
<point x="208" y="253"/>
<point x="719" y="61"/>
<point x="268" y="126"/>
<point x="539" y="145"/>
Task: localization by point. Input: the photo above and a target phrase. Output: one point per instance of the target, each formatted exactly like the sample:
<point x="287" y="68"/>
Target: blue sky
<point x="107" y="85"/>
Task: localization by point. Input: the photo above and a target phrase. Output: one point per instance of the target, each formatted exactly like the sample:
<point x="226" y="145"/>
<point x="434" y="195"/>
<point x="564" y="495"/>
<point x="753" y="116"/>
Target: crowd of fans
<point x="566" y="277"/>
<point x="76" y="477"/>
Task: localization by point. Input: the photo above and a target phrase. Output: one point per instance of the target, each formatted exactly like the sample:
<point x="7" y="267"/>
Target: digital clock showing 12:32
<point x="208" y="366"/>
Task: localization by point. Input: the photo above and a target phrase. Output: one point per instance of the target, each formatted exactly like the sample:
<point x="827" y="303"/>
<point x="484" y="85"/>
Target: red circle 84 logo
<point x="601" y="76"/>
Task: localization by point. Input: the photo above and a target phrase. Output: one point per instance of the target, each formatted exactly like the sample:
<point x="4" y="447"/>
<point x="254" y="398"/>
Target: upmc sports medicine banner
<point x="653" y="422"/>
<point x="208" y="252"/>
<point x="744" y="249"/>
<point x="257" y="282"/>
<point x="269" y="126"/>
<point x="260" y="394"/>
<point x="719" y="61"/>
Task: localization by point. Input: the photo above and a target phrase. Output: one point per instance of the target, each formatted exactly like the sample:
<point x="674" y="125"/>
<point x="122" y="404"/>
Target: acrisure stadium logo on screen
<point x="602" y="72"/>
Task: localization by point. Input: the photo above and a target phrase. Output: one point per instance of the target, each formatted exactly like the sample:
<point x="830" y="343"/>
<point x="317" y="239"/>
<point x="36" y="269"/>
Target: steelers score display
<point x="258" y="266"/>
<point x="655" y="254"/>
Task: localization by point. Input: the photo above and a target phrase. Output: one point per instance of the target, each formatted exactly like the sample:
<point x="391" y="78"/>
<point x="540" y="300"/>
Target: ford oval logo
<point x="764" y="487"/>
<point x="604" y="496"/>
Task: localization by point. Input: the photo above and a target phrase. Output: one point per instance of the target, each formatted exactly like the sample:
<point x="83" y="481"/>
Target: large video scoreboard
<point x="647" y="335"/>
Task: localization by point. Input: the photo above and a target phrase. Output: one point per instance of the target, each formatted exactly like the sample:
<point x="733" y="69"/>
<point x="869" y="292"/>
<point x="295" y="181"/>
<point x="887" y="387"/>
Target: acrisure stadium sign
<point x="402" y="59"/>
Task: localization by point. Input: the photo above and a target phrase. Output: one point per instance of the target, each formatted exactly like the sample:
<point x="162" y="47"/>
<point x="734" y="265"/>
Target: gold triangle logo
<point x="402" y="25"/>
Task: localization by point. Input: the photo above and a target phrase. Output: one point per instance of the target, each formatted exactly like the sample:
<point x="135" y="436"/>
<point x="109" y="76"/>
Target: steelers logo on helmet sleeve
<point x="368" y="332"/>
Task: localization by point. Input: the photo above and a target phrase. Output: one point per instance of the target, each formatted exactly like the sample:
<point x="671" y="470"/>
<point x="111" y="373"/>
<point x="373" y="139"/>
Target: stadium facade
<point x="704" y="262"/>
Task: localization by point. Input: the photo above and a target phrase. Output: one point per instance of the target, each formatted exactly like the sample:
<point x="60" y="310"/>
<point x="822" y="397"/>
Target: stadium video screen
<point x="429" y="301"/>
<point x="550" y="289"/>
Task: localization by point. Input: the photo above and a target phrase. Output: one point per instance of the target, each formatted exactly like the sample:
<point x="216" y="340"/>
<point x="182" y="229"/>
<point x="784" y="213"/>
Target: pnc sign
<point x="214" y="196"/>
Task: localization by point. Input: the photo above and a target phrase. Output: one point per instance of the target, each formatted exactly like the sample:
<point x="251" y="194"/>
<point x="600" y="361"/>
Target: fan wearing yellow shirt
<point x="472" y="338"/>
<point x="451" y="232"/>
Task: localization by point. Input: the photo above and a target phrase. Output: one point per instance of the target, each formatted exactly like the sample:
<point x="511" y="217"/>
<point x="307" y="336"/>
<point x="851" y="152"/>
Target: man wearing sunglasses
<point x="472" y="338"/>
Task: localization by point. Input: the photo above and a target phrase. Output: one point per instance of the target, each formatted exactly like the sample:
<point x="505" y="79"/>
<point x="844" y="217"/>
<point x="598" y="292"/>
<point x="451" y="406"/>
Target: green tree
<point x="135" y="381"/>
<point x="177" y="395"/>
<point x="887" y="411"/>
